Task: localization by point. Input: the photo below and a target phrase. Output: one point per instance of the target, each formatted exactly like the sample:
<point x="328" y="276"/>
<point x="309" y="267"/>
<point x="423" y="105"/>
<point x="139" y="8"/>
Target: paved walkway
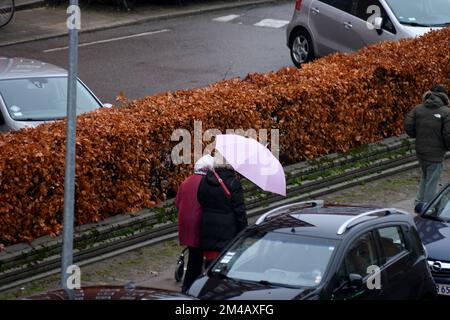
<point x="49" y="22"/>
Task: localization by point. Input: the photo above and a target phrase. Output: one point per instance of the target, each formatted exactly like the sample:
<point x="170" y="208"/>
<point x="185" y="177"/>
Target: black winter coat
<point x="429" y="123"/>
<point x="222" y="218"/>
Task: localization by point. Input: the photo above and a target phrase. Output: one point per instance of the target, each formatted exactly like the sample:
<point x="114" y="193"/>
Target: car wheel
<point x="301" y="46"/>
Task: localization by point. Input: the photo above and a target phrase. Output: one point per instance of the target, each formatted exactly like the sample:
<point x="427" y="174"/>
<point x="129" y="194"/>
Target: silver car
<point x="33" y="92"/>
<point x="320" y="27"/>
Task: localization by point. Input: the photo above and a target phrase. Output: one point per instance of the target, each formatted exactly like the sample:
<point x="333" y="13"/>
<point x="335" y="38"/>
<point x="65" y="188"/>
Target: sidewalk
<point x="49" y="22"/>
<point x="20" y="5"/>
<point x="153" y="266"/>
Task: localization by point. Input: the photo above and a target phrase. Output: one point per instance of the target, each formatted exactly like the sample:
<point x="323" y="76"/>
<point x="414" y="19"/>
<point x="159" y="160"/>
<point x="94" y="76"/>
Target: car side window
<point x="361" y="255"/>
<point x="392" y="242"/>
<point x="344" y="5"/>
<point x="364" y="12"/>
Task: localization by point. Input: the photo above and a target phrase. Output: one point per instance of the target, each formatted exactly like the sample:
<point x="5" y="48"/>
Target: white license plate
<point x="443" y="289"/>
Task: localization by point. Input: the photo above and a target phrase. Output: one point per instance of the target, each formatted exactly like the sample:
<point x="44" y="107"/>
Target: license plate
<point x="443" y="289"/>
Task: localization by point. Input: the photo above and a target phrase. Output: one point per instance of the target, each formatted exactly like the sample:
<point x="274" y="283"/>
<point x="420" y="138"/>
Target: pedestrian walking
<point x="222" y="198"/>
<point x="429" y="124"/>
<point x="189" y="218"/>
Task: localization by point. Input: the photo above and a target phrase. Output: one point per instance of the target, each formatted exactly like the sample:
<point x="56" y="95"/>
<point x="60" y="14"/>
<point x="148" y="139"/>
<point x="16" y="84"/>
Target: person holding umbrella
<point x="220" y="193"/>
<point x="189" y="217"/>
<point x="222" y="198"/>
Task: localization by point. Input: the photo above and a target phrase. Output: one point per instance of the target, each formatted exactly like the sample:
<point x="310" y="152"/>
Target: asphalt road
<point x="172" y="54"/>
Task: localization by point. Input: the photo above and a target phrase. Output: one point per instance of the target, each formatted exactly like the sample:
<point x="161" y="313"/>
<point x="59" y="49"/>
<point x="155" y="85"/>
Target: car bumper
<point x="442" y="285"/>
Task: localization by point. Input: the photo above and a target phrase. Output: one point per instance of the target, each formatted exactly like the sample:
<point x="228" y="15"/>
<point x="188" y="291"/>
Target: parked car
<point x="112" y="293"/>
<point x="320" y="27"/>
<point x="33" y="92"/>
<point x="309" y="250"/>
<point x="433" y="224"/>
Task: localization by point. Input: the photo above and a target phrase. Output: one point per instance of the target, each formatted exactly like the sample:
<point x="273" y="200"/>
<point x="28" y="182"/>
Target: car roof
<point x="19" y="68"/>
<point x="324" y="221"/>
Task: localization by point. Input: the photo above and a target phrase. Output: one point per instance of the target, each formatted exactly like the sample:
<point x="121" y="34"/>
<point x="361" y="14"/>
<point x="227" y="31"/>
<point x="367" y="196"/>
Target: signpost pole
<point x="73" y="24"/>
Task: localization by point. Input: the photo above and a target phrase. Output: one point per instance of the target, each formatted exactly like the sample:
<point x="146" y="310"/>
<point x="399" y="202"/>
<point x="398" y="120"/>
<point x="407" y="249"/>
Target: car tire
<point x="301" y="46"/>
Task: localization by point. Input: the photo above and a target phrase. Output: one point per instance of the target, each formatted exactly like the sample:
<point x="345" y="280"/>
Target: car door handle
<point x="348" y="25"/>
<point x="315" y="10"/>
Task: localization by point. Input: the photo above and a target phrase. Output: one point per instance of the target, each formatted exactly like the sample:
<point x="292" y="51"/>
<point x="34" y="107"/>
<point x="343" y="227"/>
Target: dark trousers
<point x="194" y="267"/>
<point x="431" y="172"/>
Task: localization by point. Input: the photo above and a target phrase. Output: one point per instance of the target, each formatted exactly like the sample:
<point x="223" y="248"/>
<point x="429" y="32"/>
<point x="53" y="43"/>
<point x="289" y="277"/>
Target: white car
<point x="33" y="92"/>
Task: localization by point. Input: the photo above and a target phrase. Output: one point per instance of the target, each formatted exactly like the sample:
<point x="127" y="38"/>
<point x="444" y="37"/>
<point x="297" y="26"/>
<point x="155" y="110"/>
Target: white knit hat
<point x="204" y="164"/>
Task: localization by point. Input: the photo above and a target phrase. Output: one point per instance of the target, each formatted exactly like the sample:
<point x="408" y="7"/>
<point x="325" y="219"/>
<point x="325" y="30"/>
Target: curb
<point x="181" y="13"/>
<point x="31" y="4"/>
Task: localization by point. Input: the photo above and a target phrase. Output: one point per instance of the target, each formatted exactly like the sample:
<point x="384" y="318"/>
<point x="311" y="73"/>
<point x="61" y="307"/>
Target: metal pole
<point x="69" y="179"/>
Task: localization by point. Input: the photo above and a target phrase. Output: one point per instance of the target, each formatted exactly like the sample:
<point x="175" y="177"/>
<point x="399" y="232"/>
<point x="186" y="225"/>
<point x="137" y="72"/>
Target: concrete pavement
<point x="49" y="22"/>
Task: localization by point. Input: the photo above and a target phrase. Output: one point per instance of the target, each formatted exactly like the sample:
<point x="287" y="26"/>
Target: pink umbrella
<point x="254" y="161"/>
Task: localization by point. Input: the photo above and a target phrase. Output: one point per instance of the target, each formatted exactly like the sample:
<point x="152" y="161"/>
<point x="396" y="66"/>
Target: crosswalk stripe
<point x="271" y="23"/>
<point x="227" y="18"/>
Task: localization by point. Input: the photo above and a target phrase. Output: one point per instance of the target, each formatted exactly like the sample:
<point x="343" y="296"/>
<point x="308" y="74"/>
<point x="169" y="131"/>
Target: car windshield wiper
<point x="41" y="119"/>
<point x="274" y="284"/>
<point x="440" y="24"/>
<point x="266" y="283"/>
<point x="416" y="24"/>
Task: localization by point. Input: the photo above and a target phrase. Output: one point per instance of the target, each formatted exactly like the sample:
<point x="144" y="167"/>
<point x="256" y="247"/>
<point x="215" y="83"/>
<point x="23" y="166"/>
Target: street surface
<point x="179" y="53"/>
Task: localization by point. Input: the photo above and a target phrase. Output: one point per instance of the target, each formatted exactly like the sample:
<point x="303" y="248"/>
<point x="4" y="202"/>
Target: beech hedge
<point x="123" y="154"/>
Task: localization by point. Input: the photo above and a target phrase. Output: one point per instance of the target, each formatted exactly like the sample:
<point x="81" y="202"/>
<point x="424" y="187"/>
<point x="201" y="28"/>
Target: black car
<point x="433" y="224"/>
<point x="309" y="250"/>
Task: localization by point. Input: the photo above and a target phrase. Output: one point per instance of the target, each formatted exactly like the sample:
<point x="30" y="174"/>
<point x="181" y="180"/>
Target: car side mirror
<point x="378" y="23"/>
<point x="355" y="281"/>
<point x="107" y="105"/>
<point x="420" y="207"/>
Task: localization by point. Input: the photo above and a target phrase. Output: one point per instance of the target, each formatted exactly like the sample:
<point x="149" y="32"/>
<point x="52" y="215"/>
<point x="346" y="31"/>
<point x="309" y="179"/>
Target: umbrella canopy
<point x="254" y="161"/>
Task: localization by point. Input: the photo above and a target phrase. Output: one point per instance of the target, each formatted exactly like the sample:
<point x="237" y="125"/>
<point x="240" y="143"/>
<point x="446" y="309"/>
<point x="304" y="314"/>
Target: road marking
<point x="271" y="23"/>
<point x="227" y="18"/>
<point x="109" y="40"/>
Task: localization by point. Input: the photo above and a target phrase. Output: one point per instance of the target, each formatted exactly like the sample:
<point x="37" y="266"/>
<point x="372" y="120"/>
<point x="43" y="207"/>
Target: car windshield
<point x="426" y="13"/>
<point x="440" y="208"/>
<point x="282" y="259"/>
<point x="38" y="99"/>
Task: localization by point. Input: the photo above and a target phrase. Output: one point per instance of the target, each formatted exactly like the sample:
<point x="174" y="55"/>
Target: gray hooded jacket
<point x="429" y="123"/>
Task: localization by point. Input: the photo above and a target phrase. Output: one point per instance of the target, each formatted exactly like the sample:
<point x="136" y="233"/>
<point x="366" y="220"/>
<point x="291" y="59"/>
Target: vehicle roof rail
<point x="385" y="211"/>
<point x="279" y="210"/>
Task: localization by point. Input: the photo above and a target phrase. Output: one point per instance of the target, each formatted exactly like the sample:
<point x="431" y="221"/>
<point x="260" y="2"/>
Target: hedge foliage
<point x="123" y="154"/>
